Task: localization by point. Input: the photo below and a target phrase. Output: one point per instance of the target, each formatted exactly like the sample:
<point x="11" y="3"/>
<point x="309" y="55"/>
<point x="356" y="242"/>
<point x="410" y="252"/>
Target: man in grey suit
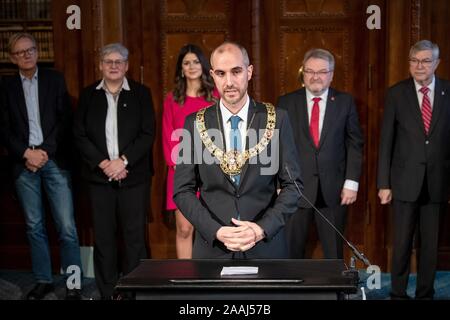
<point x="330" y="144"/>
<point x="413" y="166"/>
<point x="239" y="213"/>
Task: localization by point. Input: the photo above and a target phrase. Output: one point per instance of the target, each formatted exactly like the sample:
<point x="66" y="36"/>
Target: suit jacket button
<point x="427" y="142"/>
<point x="238" y="195"/>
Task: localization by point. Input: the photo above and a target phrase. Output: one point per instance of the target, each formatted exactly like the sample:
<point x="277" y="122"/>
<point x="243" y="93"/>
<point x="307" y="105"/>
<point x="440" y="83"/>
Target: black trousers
<point x="116" y="207"/>
<point x="406" y="216"/>
<point x="297" y="229"/>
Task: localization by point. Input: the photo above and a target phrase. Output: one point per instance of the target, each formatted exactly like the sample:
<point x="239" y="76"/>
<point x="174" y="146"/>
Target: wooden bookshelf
<point x="32" y="16"/>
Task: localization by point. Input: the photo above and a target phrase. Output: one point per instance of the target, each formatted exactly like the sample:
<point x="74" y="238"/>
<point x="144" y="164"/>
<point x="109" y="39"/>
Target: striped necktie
<point x="426" y="109"/>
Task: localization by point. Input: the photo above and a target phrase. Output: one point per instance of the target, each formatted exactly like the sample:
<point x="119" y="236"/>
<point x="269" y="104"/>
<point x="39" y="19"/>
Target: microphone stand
<point x="356" y="253"/>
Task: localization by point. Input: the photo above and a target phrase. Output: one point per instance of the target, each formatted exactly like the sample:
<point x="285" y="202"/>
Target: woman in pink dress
<point x="194" y="90"/>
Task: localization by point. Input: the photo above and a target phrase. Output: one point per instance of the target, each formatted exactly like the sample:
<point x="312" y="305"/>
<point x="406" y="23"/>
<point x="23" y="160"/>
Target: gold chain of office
<point x="231" y="162"/>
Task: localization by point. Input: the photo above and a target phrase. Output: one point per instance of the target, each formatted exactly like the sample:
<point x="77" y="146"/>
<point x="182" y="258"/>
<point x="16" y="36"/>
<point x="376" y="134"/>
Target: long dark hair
<point x="207" y="83"/>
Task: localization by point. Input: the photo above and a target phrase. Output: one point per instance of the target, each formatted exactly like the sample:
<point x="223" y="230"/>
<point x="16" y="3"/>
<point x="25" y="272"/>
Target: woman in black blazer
<point x="114" y="131"/>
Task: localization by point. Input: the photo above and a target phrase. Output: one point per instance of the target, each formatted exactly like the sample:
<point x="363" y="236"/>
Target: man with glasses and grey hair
<point x="114" y="130"/>
<point x="330" y="146"/>
<point x="413" y="166"/>
<point x="35" y="125"/>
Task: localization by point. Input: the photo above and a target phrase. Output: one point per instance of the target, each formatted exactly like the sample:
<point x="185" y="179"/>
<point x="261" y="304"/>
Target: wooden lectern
<point x="276" y="280"/>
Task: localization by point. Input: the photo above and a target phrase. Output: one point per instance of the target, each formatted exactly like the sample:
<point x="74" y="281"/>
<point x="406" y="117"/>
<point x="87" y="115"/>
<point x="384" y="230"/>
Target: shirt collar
<point x="430" y="86"/>
<point x="125" y="85"/>
<point x="34" y="77"/>
<point x="226" y="114"/>
<point x="310" y="95"/>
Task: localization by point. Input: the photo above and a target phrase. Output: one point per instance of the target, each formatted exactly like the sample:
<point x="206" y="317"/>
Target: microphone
<point x="355" y="251"/>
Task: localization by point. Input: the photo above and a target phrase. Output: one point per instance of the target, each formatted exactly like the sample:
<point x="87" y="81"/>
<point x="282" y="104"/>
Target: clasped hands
<point x="114" y="169"/>
<point x="241" y="237"/>
<point x="35" y="159"/>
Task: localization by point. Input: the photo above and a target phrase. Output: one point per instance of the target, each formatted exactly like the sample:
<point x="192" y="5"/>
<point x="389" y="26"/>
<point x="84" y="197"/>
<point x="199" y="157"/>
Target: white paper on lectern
<point x="228" y="271"/>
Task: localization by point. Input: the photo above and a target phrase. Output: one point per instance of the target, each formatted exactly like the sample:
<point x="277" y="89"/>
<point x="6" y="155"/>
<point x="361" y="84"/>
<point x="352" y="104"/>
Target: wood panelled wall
<point x="276" y="34"/>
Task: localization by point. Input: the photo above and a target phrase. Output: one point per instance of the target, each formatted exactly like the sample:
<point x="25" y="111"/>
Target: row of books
<point x="44" y="39"/>
<point x="25" y="9"/>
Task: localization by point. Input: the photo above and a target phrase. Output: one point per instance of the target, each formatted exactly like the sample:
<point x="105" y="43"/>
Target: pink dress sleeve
<point x="167" y="129"/>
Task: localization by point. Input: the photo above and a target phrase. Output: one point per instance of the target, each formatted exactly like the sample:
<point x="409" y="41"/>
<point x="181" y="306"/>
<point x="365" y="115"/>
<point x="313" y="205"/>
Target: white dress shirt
<point x="431" y="86"/>
<point x="322" y="107"/>
<point x="348" y="184"/>
<point x="242" y="126"/>
<point x="111" y="130"/>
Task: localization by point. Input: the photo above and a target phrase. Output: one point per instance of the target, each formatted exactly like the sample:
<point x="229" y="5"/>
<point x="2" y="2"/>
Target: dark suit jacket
<point x="256" y="197"/>
<point x="340" y="153"/>
<point x="406" y="153"/>
<point x="55" y="115"/>
<point x="136" y="127"/>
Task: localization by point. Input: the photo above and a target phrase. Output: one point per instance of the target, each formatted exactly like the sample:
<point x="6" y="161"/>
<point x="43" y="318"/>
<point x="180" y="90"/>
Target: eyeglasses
<point x="321" y="73"/>
<point x="22" y="53"/>
<point x="118" y="63"/>
<point x="424" y="62"/>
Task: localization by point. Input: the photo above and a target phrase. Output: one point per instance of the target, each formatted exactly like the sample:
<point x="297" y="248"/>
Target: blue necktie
<point x="235" y="141"/>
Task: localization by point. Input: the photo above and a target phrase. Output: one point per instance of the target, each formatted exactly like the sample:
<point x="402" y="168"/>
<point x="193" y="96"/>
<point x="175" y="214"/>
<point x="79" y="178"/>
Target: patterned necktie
<point x="314" y="123"/>
<point x="235" y="141"/>
<point x="426" y="108"/>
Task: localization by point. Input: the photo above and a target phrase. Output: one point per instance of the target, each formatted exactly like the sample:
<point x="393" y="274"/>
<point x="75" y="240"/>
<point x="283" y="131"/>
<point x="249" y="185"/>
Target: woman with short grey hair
<point x="114" y="131"/>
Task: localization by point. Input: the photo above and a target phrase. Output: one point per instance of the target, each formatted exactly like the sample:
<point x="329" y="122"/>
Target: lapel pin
<point x="443" y="93"/>
<point x="332" y="98"/>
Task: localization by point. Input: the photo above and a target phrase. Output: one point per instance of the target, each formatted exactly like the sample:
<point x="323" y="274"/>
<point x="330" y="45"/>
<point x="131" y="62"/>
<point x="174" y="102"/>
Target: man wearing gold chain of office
<point x="239" y="213"/>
